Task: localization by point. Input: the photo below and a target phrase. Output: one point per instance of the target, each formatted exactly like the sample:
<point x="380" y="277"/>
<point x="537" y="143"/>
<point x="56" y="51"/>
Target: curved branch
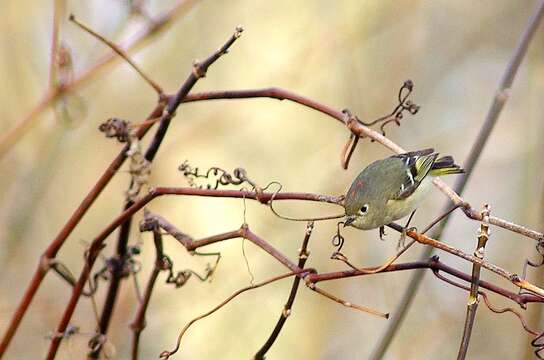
<point x="359" y="130"/>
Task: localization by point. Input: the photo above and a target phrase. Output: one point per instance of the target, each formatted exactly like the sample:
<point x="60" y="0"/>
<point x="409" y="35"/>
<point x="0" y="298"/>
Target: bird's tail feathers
<point x="445" y="166"/>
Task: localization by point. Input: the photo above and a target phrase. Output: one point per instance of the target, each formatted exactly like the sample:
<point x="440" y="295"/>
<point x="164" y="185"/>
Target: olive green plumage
<point x="391" y="188"/>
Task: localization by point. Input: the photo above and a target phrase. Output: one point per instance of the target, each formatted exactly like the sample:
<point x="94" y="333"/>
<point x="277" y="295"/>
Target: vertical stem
<point x="491" y="119"/>
<point x="138" y="324"/>
<point x="302" y="257"/>
<point x="472" y="305"/>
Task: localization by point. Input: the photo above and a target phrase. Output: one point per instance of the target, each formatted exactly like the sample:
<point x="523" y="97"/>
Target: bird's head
<point x="357" y="206"/>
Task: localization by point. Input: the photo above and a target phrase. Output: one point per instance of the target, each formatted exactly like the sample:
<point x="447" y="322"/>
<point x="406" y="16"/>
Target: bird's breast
<point x="397" y="209"/>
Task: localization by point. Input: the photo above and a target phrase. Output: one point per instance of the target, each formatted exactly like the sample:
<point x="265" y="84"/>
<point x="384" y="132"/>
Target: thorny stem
<point x="157" y="26"/>
<point x="501" y="96"/>
<point x="173" y="103"/>
<point x="472" y="304"/>
<point x="302" y="258"/>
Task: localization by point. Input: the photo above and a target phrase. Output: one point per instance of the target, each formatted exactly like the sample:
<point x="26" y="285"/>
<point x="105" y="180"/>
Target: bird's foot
<point x="382" y="233"/>
<point x="402" y="238"/>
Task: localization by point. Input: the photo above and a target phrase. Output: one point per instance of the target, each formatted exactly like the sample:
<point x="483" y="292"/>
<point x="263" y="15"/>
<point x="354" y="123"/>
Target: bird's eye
<point x="364" y="209"/>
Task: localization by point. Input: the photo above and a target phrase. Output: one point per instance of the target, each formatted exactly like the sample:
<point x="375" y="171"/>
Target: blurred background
<point x="348" y="54"/>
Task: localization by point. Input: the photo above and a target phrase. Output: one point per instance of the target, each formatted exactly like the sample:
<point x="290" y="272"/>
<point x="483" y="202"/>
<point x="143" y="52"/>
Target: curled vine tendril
<point x="338" y="240"/>
<point x="538" y="344"/>
<point x="220" y="176"/>
<point x="130" y="266"/>
<point x="404" y="104"/>
<point x="395" y="116"/>
<point x="535" y="264"/>
<point x="275" y="212"/>
<point x="181" y="277"/>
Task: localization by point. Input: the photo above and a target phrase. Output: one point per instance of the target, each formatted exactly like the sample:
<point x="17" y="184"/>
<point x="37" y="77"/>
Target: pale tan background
<point x="351" y="54"/>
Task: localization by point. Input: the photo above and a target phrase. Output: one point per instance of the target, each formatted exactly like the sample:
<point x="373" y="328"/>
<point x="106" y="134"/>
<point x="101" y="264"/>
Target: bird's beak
<point x="349" y="220"/>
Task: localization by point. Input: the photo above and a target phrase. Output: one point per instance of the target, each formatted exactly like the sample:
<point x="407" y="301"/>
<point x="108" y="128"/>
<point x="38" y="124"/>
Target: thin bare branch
<point x="362" y="131"/>
<point x="122" y="53"/>
<point x="166" y="354"/>
<point x="10" y="138"/>
<point x="391" y="260"/>
<point x="63" y="234"/>
<point x="436" y="265"/>
<point x="302" y="258"/>
<point x="345" y="303"/>
<point x="139" y="322"/>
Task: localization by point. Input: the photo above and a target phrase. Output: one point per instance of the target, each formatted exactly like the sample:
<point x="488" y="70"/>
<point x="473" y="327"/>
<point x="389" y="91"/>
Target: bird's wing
<point x="416" y="165"/>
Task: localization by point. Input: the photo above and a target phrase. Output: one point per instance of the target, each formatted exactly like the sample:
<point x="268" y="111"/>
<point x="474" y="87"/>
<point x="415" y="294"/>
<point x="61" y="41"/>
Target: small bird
<point x="391" y="188"/>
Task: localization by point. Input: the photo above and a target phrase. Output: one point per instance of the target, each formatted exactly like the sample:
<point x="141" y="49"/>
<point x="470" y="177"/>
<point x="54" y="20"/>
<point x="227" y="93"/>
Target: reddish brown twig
<point x="433" y="264"/>
<point x="391" y="260"/>
<point x="302" y="258"/>
<point x="347" y="151"/>
<point x="362" y="131"/>
<point x="8" y="139"/>
<point x="118" y="263"/>
<point x="199" y="70"/>
<point x="246" y="233"/>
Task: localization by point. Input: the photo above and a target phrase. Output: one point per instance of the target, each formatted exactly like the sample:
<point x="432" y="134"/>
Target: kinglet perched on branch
<point x="391" y="188"/>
